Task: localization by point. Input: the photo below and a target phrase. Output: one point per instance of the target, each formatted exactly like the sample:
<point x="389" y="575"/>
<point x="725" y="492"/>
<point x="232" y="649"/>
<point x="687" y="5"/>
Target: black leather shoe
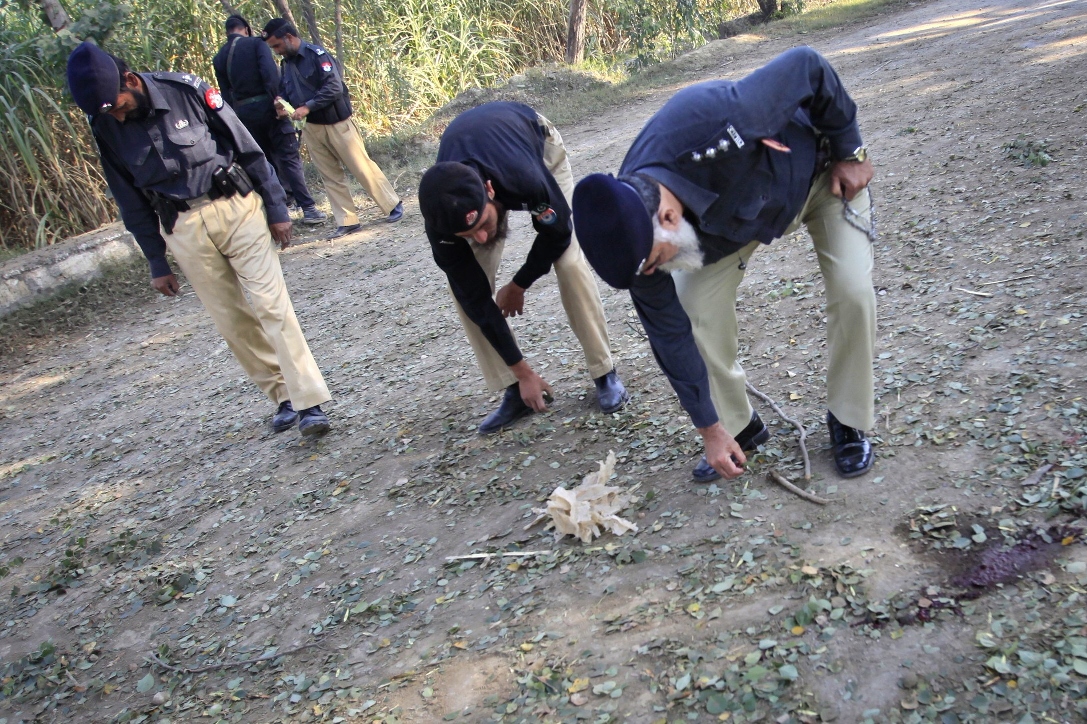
<point x="284" y="418"/>
<point x="749" y="439"/>
<point x="610" y="393"/>
<point x="343" y="231"/>
<point x="513" y="408"/>
<point x="312" y="421"/>
<point x="852" y="451"/>
<point x="396" y="214"/>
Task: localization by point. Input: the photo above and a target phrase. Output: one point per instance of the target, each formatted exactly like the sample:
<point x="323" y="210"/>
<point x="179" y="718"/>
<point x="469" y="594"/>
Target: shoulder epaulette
<point x="188" y="79"/>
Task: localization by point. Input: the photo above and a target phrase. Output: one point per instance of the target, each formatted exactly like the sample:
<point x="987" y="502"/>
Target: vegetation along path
<point x="155" y="534"/>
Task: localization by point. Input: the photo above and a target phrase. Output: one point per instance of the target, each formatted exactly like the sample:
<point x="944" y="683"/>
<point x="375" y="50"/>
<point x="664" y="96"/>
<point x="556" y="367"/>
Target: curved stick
<point x="795" y="423"/>
<point x="784" y="482"/>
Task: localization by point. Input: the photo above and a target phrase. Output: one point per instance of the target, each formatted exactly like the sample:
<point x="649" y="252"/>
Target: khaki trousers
<point x="577" y="287"/>
<point x="845" y="259"/>
<point x="224" y="248"/>
<point x="337" y="145"/>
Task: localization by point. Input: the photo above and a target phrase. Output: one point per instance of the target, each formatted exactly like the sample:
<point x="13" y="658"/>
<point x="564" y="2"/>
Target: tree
<point x="575" y="32"/>
<point x="311" y="22"/>
<point x="55" y="14"/>
<point x="285" y="11"/>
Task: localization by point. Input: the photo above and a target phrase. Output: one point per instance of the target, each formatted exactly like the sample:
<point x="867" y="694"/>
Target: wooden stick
<point x="1036" y="477"/>
<point x="783" y="482"/>
<point x="228" y="664"/>
<point x="504" y="554"/>
<point x="976" y="294"/>
<point x="1001" y="281"/>
<point x="795" y="423"/>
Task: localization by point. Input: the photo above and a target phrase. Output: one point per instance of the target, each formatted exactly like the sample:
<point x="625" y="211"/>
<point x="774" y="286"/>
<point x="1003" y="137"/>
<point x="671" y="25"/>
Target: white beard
<point x="690" y="256"/>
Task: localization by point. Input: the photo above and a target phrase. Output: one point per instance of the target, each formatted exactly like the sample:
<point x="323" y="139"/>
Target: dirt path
<point x="146" y="508"/>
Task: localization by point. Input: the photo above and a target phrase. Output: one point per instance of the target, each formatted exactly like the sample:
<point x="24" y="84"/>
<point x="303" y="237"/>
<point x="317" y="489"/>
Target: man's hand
<point x="281" y="112"/>
<point x="166" y="285"/>
<point x="300" y="113"/>
<point x="848" y="178"/>
<point x="281" y="233"/>
<point x="722" y="452"/>
<point x="531" y="386"/>
<point x="511" y="300"/>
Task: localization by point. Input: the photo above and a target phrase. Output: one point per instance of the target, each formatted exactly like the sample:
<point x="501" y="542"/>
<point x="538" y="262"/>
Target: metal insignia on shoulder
<point x="736" y="138"/>
<point x="318" y="51"/>
<point x="183" y="123"/>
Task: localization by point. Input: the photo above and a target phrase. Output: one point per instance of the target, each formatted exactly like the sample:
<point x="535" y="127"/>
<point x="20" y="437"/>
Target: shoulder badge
<point x="213" y="99"/>
<point x="545" y="214"/>
<point x="318" y="51"/>
<point x="326" y="66"/>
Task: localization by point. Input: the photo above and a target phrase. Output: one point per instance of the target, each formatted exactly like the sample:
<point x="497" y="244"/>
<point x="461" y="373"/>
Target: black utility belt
<point x="252" y="99"/>
<point x="225" y="182"/>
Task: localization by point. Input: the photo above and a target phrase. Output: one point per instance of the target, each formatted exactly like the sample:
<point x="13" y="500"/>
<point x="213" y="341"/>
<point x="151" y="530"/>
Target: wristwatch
<point x="858" y="156"/>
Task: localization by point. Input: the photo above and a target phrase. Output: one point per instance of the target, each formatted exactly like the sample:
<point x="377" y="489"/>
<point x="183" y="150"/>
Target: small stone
<point x="908" y="681"/>
<point x="160" y="698"/>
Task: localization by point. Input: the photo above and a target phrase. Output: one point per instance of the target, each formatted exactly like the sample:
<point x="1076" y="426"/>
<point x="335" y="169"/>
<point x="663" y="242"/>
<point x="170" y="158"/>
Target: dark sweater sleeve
<point x="670" y="336"/>
<point x="800" y="78"/>
<point x="136" y="212"/>
<point x="473" y="291"/>
<point x="553" y="231"/>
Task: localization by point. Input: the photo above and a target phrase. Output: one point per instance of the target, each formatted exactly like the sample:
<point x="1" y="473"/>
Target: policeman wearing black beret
<point x="188" y="177"/>
<point x="494" y="159"/>
<point x="722" y="168"/>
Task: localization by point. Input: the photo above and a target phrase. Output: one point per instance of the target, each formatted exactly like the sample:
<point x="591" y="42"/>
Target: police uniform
<point x="222" y="243"/>
<point x="248" y="78"/>
<point x="745" y="158"/>
<point x="521" y="153"/>
<point x="313" y="78"/>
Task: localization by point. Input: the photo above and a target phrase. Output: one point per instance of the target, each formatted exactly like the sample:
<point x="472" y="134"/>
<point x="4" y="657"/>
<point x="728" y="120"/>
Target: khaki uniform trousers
<point x="334" y="146"/>
<point x="577" y="287"/>
<point x="845" y="259"/>
<point x="224" y="248"/>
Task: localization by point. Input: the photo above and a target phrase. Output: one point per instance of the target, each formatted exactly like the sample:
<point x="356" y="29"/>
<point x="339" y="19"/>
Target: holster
<point x="165" y="208"/>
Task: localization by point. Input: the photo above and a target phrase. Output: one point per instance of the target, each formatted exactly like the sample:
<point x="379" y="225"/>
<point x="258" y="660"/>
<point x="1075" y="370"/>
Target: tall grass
<point x="403" y="59"/>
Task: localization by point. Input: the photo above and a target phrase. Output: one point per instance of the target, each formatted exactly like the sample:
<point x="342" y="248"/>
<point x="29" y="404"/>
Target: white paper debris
<point x="589" y="507"/>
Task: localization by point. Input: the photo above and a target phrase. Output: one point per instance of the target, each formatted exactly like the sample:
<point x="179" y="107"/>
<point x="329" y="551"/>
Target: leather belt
<point x="252" y="99"/>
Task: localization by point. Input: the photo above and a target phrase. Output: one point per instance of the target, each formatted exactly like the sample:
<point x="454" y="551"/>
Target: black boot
<point x="749" y="439"/>
<point x="852" y="451"/>
<point x="284" y="418"/>
<point x="313" y="421"/>
<point x="610" y="393"/>
<point x="513" y="408"/>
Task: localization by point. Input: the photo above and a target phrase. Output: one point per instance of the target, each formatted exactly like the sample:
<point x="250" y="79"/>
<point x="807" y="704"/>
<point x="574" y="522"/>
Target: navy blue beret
<point x="93" y="78"/>
<point x="613" y="227"/>
<point x="277" y="28"/>
<point x="452" y="197"/>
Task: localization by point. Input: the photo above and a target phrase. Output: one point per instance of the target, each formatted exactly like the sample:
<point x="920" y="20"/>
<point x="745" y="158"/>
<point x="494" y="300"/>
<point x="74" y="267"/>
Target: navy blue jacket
<point x="312" y="77"/>
<point x="174" y="151"/>
<point x="247" y="72"/>
<point x="504" y="142"/>
<point x="705" y="147"/>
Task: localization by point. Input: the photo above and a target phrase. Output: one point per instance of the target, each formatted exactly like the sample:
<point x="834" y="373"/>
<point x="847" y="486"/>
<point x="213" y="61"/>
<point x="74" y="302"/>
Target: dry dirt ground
<point x="156" y="534"/>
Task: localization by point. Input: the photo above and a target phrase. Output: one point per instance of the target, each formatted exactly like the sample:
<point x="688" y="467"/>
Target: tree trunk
<point x="285" y="11"/>
<point x="311" y="22"/>
<point x="575" y="32"/>
<point x="339" y="30"/>
<point x="55" y="14"/>
<point x="230" y="9"/>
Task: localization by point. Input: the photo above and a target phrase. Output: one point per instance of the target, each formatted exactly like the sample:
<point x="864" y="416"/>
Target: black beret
<point x="237" y="21"/>
<point x="613" y="227"/>
<point x="452" y="197"/>
<point x="93" y="78"/>
<point x="278" y="27"/>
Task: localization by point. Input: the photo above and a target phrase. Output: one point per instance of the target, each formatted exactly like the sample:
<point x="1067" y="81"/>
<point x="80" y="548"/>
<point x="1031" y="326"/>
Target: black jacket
<point x="314" y="78"/>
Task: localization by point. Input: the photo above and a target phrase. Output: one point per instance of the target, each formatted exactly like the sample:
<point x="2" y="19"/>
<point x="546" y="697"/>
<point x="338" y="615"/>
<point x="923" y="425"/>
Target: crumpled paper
<point x="589" y="507"/>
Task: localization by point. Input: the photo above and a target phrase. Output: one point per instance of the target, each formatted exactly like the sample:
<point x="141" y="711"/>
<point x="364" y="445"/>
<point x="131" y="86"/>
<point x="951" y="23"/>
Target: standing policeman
<point x="723" y="167"/>
<point x="175" y="154"/>
<point x="249" y="81"/>
<point x="497" y="158"/>
<point x="312" y="83"/>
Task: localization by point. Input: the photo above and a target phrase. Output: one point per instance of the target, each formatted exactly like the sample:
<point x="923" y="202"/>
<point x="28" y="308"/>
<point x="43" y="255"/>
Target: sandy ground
<point x="148" y="511"/>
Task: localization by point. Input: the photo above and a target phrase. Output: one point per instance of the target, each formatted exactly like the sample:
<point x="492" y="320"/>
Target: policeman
<point x="312" y="84"/>
<point x="722" y="168"/>
<point x="182" y="169"/>
<point x="249" y="81"/>
<point x="493" y="159"/>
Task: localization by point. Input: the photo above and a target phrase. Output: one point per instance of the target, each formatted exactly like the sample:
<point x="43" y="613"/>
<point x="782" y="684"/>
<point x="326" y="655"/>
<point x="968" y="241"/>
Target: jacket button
<point x="711" y="152"/>
<point x="696" y="156"/>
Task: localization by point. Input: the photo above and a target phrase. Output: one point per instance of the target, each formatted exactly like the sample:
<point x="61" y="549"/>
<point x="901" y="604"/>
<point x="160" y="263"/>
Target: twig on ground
<point x="976" y="294"/>
<point x="152" y="658"/>
<point x="503" y="554"/>
<point x="1002" y="281"/>
<point x="637" y="331"/>
<point x="795" y="423"/>
<point x="783" y="482"/>
<point x="1036" y="477"/>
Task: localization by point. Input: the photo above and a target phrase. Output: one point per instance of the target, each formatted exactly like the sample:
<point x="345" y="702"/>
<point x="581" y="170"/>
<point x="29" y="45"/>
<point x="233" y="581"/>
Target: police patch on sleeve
<point x="213" y="99"/>
<point x="326" y="66"/>
<point x="544" y="214"/>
